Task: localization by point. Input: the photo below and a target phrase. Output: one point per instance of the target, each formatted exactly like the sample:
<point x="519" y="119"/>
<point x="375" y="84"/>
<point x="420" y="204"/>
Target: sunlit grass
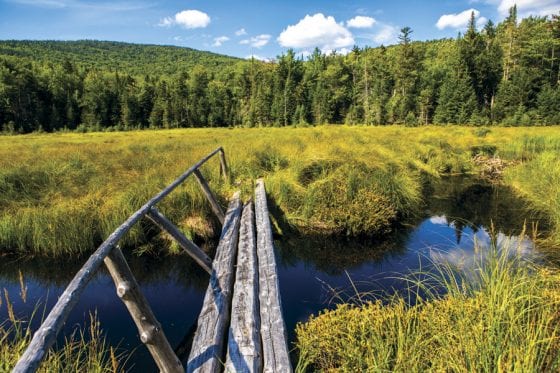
<point x="64" y="193"/>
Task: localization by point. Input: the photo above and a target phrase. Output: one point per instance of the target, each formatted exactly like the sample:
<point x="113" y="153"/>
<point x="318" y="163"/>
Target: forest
<point x="502" y="74"/>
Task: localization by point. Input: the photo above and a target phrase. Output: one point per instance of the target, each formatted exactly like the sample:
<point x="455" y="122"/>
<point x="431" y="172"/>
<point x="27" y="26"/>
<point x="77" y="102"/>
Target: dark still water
<point x="314" y="272"/>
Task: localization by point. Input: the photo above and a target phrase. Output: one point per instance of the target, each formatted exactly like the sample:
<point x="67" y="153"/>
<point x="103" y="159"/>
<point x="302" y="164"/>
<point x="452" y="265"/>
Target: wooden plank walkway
<point x="248" y="320"/>
<point x="240" y="327"/>
<point x="209" y="341"/>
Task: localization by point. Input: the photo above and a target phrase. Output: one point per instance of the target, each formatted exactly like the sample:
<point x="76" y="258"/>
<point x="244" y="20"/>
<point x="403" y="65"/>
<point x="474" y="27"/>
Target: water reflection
<point x="472" y="249"/>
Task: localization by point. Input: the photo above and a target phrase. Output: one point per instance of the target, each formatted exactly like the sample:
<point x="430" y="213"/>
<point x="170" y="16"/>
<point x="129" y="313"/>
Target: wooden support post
<point x="190" y="247"/>
<point x="244" y="342"/>
<point x="273" y="330"/>
<point x="149" y="328"/>
<point x="223" y="165"/>
<point x="210" y="196"/>
<point x="207" y="353"/>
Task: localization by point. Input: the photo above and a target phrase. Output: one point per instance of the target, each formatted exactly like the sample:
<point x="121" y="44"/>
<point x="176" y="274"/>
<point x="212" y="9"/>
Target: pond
<point x="314" y="272"/>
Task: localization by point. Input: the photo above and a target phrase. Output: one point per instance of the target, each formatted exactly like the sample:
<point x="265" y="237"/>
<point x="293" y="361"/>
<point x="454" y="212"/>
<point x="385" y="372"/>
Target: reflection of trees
<point x="56" y="272"/>
<point x="333" y="255"/>
<point x="470" y="202"/>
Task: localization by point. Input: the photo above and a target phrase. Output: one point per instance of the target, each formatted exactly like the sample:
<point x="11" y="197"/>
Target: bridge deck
<point x="241" y="322"/>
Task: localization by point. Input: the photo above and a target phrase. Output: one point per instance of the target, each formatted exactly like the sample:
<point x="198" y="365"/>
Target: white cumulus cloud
<point x="456" y="21"/>
<point x="257" y="57"/>
<point x="258" y="41"/>
<point x="189" y="19"/>
<point x="316" y="31"/>
<point x="219" y="41"/>
<point x="386" y="35"/>
<point x="360" y="22"/>
<point x="240" y="32"/>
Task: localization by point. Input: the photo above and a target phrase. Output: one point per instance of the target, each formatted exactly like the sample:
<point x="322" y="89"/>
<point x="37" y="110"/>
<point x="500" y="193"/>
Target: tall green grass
<point x="502" y="315"/>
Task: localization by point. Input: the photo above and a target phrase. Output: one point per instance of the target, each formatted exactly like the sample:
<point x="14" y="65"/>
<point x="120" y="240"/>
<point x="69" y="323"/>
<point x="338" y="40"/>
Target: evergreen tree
<point x="406" y="79"/>
<point x="457" y="98"/>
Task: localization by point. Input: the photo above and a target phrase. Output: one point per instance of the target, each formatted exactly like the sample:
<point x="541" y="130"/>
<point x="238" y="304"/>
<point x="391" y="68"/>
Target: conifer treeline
<point x="504" y="74"/>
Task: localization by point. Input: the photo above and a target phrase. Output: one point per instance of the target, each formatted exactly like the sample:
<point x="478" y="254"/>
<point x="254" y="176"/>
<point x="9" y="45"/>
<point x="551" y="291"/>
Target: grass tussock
<point x="62" y="194"/>
<point x="501" y="315"/>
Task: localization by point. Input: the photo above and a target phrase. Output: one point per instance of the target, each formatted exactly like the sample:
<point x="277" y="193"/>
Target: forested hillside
<point x="503" y="74"/>
<point x="134" y="59"/>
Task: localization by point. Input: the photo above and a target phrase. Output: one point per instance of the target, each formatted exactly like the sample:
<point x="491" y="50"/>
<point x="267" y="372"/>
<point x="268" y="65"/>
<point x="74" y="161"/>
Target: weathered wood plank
<point x="190" y="247"/>
<point x="210" y="196"/>
<point x="207" y="353"/>
<point x="45" y="336"/>
<point x="244" y="341"/>
<point x="149" y="329"/>
<point x="273" y="329"/>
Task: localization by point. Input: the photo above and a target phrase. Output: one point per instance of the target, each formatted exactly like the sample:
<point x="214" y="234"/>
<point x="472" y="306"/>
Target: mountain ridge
<point x="132" y="58"/>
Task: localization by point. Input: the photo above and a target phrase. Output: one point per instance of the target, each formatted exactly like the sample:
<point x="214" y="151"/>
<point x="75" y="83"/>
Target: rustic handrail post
<point x="223" y="165"/>
<point x="149" y="328"/>
<point x="210" y="196"/>
<point x="190" y="247"/>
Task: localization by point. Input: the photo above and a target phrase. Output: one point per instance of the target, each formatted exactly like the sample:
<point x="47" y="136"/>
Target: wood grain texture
<point x="149" y="329"/>
<point x="273" y="330"/>
<point x="208" y="351"/>
<point x="244" y="340"/>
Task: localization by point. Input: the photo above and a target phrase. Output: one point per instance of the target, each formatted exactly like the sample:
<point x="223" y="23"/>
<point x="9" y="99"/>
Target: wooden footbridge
<point x="240" y="327"/>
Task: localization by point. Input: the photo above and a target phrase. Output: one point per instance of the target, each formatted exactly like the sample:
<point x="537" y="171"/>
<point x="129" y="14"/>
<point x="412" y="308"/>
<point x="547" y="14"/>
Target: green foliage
<point x="133" y="59"/>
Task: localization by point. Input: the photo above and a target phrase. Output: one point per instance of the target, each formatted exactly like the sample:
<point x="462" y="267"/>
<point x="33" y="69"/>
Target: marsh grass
<point x="85" y="350"/>
<point x="539" y="181"/>
<point x="62" y="194"/>
<point x="500" y="315"/>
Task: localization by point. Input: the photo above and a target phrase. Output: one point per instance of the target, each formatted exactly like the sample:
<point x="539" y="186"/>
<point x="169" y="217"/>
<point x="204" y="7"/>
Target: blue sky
<point x="244" y="28"/>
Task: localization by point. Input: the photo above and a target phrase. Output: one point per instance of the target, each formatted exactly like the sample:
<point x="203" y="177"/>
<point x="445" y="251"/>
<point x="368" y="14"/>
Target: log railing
<point x="127" y="288"/>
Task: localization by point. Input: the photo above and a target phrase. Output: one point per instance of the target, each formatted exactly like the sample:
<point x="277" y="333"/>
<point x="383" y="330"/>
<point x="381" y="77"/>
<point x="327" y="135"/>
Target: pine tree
<point x="457" y="98"/>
